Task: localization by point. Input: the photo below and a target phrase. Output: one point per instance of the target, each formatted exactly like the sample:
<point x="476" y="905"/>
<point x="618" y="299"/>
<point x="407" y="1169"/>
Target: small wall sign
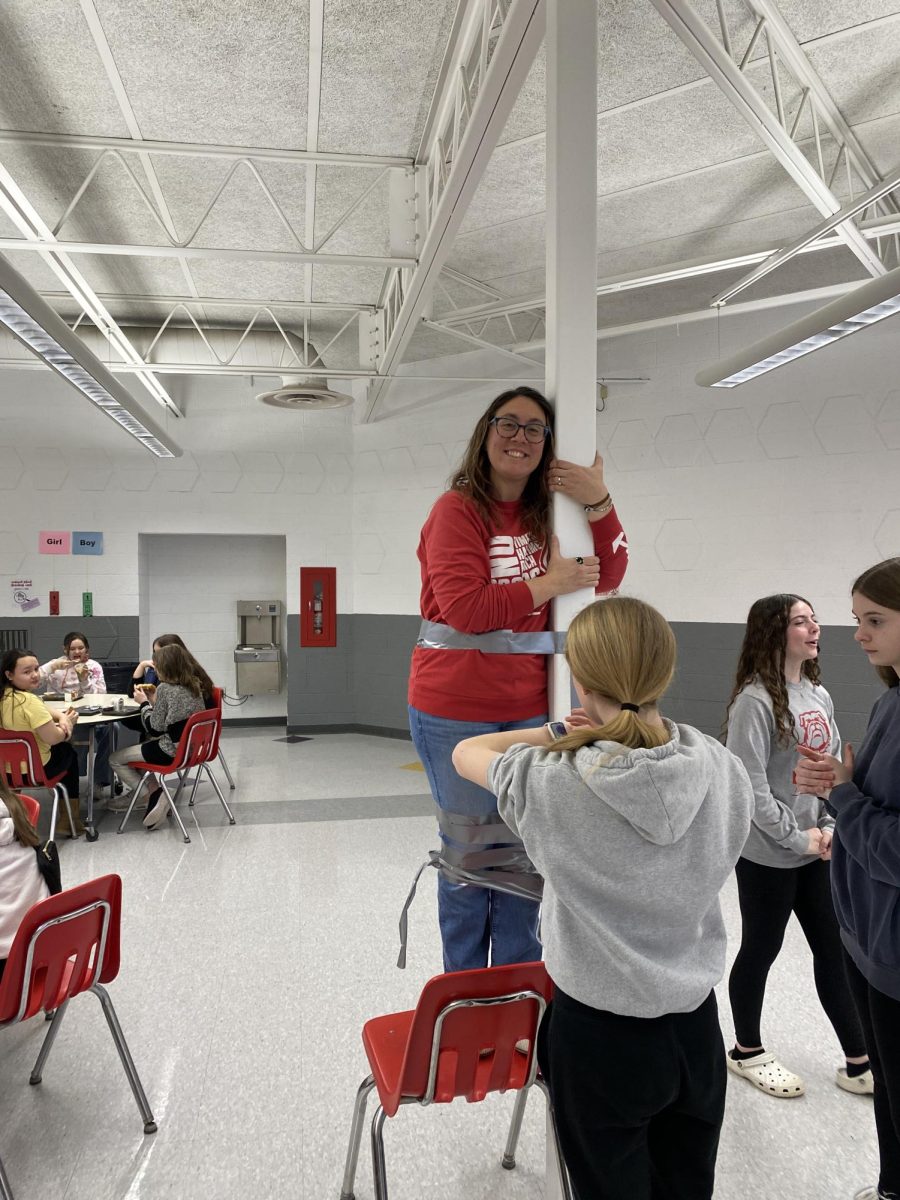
<point x="86" y="543"/>
<point x="54" y="541"/>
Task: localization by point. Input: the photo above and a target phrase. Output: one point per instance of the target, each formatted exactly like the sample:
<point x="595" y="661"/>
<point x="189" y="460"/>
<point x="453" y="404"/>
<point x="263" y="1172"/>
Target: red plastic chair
<point x="194" y="749"/>
<point x="32" y="809"/>
<point x="217" y="753"/>
<point x="18" y="749"/>
<point x="460" y="1041"/>
<point x="66" y="945"/>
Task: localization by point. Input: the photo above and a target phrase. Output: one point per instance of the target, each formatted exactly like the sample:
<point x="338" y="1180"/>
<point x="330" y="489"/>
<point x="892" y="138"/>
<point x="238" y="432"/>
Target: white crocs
<point x="765" y="1072"/>
<point x="862" y="1085"/>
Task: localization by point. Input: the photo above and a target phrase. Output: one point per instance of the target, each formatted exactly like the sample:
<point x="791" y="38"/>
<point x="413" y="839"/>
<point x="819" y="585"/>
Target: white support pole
<point x="571" y="378"/>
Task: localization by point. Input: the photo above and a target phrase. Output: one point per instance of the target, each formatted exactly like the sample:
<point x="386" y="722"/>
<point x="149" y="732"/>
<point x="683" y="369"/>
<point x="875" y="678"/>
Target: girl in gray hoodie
<point x="635" y="824"/>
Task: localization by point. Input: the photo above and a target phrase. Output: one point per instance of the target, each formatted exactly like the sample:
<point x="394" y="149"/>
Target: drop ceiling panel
<point x="116" y="273"/>
<point x="213" y="72"/>
<point x="367" y="229"/>
<point x="380" y="63"/>
<point x="359" y="285"/>
<point x="813" y="18"/>
<point x="861" y="72"/>
<point x="53" y="81"/>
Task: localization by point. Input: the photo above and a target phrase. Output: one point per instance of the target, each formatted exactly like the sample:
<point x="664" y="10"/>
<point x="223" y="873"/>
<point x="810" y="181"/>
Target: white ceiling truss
<point x="798" y="97"/>
<point x="282" y="193"/>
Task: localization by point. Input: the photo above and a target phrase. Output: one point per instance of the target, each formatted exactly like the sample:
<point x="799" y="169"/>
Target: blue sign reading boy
<point x="86" y="542"/>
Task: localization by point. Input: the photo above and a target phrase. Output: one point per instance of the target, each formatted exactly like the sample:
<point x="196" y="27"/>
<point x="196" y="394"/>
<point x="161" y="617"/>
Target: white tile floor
<point x="251" y="958"/>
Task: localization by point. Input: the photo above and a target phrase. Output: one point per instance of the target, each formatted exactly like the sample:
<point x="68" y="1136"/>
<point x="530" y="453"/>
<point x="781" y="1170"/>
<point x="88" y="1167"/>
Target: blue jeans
<point x="476" y="923"/>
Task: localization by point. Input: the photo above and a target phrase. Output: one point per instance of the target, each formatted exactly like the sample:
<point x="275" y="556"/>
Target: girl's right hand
<point x="565" y="575"/>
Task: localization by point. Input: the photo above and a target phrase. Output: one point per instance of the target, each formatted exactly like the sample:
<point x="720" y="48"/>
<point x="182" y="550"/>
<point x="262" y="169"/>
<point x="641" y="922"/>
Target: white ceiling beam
<point x="38" y="236"/>
<point x="794" y="57"/>
<point x="750" y="103"/>
<point x="241" y="254"/>
<point x="779" y="257"/>
<point x="77" y="141"/>
<point x="496" y="50"/>
<point x="219" y="301"/>
<point x="655" y="276"/>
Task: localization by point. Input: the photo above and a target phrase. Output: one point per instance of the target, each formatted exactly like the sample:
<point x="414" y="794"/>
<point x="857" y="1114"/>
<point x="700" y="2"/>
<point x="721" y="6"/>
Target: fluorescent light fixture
<point x="864" y="306"/>
<point x="31" y="319"/>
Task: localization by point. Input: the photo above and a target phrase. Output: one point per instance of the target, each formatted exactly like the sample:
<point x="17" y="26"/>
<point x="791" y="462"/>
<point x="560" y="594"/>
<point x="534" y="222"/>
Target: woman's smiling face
<point x="513" y="459"/>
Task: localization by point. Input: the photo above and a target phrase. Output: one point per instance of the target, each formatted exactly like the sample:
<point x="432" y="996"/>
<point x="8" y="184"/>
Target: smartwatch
<point x="556" y="729"/>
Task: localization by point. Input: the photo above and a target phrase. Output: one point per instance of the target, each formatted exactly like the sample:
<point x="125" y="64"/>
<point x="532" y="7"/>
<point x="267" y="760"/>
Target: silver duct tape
<point x="434" y="636"/>
<point x="525" y="886"/>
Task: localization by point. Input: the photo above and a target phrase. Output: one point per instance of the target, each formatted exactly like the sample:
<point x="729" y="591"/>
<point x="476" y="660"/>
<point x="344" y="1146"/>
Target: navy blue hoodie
<point x="865" y="866"/>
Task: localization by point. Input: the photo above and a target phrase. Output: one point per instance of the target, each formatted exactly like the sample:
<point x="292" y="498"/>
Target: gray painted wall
<point x="110" y="637"/>
<point x="374" y="650"/>
<point x="361" y="682"/>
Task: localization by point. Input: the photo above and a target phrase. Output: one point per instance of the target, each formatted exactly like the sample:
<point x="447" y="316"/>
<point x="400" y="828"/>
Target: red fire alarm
<point x="318" y="607"/>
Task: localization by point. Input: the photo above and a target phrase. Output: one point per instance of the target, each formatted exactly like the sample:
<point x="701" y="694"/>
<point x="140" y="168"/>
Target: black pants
<point x="64" y="759"/>
<point x="880" y="1016"/>
<point x="768" y="896"/>
<point x="638" y="1102"/>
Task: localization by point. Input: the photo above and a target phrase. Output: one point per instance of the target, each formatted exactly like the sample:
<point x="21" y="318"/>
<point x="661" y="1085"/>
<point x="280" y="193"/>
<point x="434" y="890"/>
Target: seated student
<point x="183" y="690"/>
<point x="20" y="708"/>
<point x="635" y="824"/>
<point x="78" y="673"/>
<point x="145" y="671"/>
<point x="21" y="883"/>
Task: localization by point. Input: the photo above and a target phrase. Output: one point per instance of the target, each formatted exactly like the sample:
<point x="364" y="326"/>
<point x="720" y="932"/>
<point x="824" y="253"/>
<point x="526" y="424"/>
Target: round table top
<point x="107" y="701"/>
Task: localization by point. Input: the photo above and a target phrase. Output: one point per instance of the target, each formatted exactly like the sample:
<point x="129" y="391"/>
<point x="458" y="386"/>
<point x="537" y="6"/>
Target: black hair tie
<point x="630" y="707"/>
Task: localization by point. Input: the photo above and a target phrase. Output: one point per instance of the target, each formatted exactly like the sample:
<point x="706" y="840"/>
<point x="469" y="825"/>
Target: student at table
<point x="182" y="691"/>
<point x="78" y="673"/>
<point x="21" y="709"/>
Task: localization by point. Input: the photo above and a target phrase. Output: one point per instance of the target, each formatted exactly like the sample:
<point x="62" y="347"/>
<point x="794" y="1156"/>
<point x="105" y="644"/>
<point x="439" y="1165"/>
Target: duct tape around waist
<point x="481" y="851"/>
<point x="435" y="636"/>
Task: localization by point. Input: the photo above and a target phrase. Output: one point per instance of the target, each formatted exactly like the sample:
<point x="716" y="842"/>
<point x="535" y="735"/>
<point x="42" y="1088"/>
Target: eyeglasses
<point x="508" y="427"/>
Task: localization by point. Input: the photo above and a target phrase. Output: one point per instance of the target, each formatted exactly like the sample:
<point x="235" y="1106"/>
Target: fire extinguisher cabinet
<point x="318" y="609"/>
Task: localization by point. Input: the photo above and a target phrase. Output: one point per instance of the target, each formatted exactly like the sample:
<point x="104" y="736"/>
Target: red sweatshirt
<point x="473" y="579"/>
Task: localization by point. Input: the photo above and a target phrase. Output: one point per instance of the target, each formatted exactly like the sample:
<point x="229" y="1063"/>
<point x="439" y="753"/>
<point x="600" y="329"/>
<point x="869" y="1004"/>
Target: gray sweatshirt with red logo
<point x="778" y="836"/>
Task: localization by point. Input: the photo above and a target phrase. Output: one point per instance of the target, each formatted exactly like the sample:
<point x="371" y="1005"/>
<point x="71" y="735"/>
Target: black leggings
<point x="880" y="1016"/>
<point x="768" y="896"/>
<point x="638" y="1101"/>
<point x="64" y="759"/>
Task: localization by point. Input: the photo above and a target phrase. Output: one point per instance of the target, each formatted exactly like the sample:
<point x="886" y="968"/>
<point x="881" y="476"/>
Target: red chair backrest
<point x="63" y="946"/>
<point x="32" y="809"/>
<point x="20" y="758"/>
<point x="198" y="740"/>
<point x="217" y="705"/>
<point x="462" y="1070"/>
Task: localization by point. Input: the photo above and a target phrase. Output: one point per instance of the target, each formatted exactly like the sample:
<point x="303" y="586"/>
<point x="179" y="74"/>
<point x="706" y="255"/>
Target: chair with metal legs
<point x="21" y="766"/>
<point x="66" y="945"/>
<point x="194" y="750"/>
<point x="461" y="1040"/>
<point x="217" y="751"/>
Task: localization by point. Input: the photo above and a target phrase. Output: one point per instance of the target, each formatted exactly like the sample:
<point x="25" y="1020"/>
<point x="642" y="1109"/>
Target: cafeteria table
<point x="110" y="714"/>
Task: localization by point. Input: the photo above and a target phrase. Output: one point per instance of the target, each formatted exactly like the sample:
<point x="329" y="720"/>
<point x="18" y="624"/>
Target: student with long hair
<point x="635" y="824"/>
<point x="22" y="709"/>
<point x="489" y="563"/>
<point x="75" y="671"/>
<point x="21" y="883"/>
<point x="145" y="671"/>
<point x="778" y="704"/>
<point x="181" y="692"/>
<point x="863" y="795"/>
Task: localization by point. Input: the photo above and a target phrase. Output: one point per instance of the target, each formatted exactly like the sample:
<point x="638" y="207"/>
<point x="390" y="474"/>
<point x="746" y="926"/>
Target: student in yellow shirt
<point x="21" y="709"/>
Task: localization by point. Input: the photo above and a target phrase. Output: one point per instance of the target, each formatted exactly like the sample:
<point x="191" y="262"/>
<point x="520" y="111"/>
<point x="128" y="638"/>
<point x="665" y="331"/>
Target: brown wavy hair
<point x="881" y="585"/>
<point x="174" y="639"/>
<point x="625" y="650"/>
<point x="178" y="666"/>
<point x="473" y="475"/>
<point x="762" y="658"/>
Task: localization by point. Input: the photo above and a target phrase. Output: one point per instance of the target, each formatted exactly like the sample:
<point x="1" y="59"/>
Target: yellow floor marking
<point x="416" y="766"/>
